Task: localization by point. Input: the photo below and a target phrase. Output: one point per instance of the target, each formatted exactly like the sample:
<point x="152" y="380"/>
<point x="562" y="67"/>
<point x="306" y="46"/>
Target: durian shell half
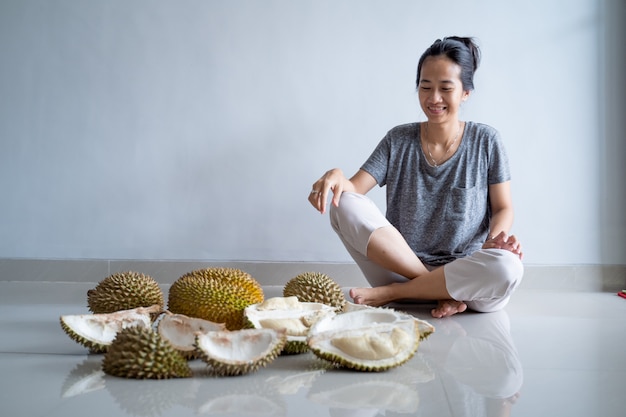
<point x="424" y="328"/>
<point x="373" y="339"/>
<point x="239" y="352"/>
<point x="180" y="331"/>
<point x="290" y="314"/>
<point x="96" y="332"/>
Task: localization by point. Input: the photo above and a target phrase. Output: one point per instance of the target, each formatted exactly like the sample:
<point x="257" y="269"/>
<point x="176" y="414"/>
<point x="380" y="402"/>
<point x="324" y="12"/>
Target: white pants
<point x="483" y="280"/>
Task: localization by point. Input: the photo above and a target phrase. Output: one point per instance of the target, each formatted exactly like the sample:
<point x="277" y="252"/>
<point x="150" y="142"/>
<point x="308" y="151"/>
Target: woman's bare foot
<point x="447" y="308"/>
<point x="374" y="297"/>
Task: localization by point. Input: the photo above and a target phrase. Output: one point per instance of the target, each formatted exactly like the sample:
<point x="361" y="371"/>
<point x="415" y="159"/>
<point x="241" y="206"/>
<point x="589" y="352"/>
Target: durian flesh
<point x="287" y="313"/>
<point x="97" y="331"/>
<point x="240" y="352"/>
<point x="366" y="340"/>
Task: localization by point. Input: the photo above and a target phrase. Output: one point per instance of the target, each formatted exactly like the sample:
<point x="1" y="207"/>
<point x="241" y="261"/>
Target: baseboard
<point x="543" y="277"/>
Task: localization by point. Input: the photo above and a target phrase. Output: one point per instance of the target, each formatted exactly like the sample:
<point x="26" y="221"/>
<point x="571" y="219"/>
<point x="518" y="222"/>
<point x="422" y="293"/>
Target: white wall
<point x="156" y="129"/>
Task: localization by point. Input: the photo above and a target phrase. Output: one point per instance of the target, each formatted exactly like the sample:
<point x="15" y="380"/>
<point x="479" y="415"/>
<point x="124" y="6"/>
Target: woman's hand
<point x="333" y="180"/>
<point x="502" y="241"/>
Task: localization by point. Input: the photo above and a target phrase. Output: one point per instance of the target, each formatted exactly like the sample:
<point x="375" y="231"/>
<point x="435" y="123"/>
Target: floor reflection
<point x="477" y="364"/>
<point x="395" y="390"/>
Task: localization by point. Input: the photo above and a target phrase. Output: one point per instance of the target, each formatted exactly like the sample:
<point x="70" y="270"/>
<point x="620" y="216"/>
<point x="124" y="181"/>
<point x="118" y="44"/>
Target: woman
<point x="445" y="235"/>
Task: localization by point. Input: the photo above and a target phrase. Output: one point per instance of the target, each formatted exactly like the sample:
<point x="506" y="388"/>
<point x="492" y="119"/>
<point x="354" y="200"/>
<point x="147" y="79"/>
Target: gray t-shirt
<point x="443" y="212"/>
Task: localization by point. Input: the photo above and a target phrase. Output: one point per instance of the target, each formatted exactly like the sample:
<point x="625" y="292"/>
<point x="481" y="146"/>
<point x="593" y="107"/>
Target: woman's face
<point x="440" y="89"/>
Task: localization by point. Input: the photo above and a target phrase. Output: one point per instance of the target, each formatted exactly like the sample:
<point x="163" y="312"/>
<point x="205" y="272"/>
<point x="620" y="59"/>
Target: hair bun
<point x="470" y="43"/>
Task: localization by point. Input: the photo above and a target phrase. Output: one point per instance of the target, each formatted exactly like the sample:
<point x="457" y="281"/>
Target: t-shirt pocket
<point x="461" y="203"/>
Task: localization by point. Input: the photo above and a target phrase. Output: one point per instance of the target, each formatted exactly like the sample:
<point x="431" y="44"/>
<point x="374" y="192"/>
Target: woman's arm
<point x="334" y="180"/>
<point x="501" y="219"/>
<point x="501" y="208"/>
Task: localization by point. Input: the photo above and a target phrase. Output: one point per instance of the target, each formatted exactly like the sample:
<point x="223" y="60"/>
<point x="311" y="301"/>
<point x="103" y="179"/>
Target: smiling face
<point x="440" y="89"/>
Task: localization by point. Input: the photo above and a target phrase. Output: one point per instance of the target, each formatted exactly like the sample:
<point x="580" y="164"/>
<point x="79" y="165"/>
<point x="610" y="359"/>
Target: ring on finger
<point x="314" y="192"/>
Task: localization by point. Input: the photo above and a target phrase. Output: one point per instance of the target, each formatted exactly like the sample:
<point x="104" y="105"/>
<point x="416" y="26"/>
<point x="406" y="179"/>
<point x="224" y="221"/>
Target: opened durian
<point x="424" y="328"/>
<point x="97" y="331"/>
<point x="240" y="352"/>
<point x="373" y="339"/>
<point x="290" y="314"/>
<point x="143" y="354"/>
<point x="315" y="287"/>
<point x="215" y="294"/>
<point x="124" y="291"/>
<point x="181" y="330"/>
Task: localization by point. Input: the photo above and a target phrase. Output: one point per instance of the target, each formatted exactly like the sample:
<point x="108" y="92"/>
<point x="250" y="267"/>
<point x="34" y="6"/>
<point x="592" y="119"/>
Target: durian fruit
<point x="290" y="314"/>
<point x="424" y="328"/>
<point x="143" y="354"/>
<point x="373" y="339"/>
<point x="315" y="287"/>
<point x="97" y="331"/>
<point x="124" y="291"/>
<point x="181" y="330"/>
<point x="241" y="351"/>
<point x="215" y="294"/>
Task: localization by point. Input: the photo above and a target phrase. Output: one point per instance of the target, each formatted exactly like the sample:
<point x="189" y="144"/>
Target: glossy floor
<point x="547" y="354"/>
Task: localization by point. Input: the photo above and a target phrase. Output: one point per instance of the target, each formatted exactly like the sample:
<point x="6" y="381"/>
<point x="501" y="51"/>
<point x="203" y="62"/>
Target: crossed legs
<point x="386" y="259"/>
<point x="482" y="281"/>
<point x="388" y="249"/>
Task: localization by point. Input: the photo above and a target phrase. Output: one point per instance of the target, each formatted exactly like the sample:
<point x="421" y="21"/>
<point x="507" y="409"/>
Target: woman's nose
<point x="435" y="96"/>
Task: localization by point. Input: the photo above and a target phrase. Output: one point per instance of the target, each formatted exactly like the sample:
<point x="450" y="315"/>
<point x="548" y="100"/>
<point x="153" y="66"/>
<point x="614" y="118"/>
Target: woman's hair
<point x="462" y="51"/>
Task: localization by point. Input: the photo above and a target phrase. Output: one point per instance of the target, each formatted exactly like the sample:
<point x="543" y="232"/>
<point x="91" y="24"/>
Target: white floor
<point x="547" y="354"/>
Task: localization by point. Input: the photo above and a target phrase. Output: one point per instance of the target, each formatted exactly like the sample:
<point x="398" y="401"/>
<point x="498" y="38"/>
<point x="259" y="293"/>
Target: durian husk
<point x="315" y="287"/>
<point x="215" y="294"/>
<point x="240" y="352"/>
<point x="124" y="291"/>
<point x="372" y="339"/>
<point x="143" y="354"/>
<point x="96" y="332"/>
<point x="287" y="313"/>
<point x="423" y="328"/>
<point x="180" y="331"/>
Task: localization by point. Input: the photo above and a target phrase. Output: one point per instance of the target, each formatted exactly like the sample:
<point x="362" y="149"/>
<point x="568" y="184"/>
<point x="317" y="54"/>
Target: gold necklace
<point x="435" y="163"/>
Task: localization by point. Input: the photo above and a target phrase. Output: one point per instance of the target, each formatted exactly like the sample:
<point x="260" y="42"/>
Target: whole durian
<point x="124" y="291"/>
<point x="315" y="287"/>
<point x="143" y="354"/>
<point x="215" y="294"/>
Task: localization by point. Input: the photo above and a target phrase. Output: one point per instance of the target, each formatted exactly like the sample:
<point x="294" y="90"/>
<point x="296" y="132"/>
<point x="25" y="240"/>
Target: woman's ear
<point x="466" y="95"/>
